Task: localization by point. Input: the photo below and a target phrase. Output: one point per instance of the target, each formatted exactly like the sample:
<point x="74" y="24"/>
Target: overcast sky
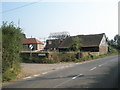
<point x="75" y="16"/>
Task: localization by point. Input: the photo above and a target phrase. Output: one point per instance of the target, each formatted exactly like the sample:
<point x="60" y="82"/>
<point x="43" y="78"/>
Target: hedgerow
<point x="11" y="45"/>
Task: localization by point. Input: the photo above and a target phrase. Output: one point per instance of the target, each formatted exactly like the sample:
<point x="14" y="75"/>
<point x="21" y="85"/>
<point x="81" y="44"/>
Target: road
<point x="99" y="73"/>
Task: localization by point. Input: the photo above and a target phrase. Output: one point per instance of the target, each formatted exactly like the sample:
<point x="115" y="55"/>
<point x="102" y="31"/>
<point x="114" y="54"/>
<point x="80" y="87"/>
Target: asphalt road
<point x="100" y="73"/>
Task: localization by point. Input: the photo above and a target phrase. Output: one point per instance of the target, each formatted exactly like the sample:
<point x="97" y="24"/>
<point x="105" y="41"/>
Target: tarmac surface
<point x="100" y="73"/>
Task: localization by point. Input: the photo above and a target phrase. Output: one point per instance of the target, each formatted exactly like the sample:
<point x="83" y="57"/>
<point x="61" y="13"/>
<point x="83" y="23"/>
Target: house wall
<point x="40" y="47"/>
<point x="103" y="47"/>
<point x="26" y="47"/>
<point x="35" y="47"/>
<point x="84" y="54"/>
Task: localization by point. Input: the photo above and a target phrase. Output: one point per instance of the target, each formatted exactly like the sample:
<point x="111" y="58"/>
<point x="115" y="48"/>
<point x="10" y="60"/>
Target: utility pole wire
<point x="17" y="7"/>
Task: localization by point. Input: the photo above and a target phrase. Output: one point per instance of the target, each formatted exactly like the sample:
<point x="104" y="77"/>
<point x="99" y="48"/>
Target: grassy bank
<point x="0" y="78"/>
<point x="58" y="57"/>
<point x="96" y="57"/>
<point x="67" y="57"/>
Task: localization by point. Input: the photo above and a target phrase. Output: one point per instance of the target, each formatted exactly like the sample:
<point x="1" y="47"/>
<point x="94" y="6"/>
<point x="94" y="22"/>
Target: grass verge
<point x="97" y="57"/>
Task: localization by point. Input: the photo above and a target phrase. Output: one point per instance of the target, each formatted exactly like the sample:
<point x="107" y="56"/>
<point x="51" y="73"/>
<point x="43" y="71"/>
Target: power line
<point x="17" y="8"/>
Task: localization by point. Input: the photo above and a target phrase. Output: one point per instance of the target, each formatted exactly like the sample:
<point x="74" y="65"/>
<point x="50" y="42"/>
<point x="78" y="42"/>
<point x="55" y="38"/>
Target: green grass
<point x="0" y="78"/>
<point x="97" y="57"/>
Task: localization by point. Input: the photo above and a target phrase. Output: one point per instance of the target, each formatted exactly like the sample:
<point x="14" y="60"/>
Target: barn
<point x="93" y="43"/>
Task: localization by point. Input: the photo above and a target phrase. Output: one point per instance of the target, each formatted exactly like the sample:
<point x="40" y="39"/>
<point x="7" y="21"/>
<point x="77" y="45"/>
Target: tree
<point x="11" y="46"/>
<point x="76" y="44"/>
<point x="115" y="42"/>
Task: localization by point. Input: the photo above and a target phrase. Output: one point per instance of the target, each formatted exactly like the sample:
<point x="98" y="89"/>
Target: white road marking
<point x="77" y="76"/>
<point x="27" y="77"/>
<point x="45" y="73"/>
<point x="74" y="77"/>
<point x="67" y="81"/>
<point x="92" y="68"/>
<point x="36" y="75"/>
<point x="101" y="65"/>
<point x="62" y="83"/>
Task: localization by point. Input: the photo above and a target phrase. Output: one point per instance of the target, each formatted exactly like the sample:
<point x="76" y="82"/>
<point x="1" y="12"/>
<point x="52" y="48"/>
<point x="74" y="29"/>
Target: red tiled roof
<point x="31" y="41"/>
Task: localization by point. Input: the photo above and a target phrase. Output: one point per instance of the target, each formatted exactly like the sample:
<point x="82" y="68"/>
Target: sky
<point x="40" y="18"/>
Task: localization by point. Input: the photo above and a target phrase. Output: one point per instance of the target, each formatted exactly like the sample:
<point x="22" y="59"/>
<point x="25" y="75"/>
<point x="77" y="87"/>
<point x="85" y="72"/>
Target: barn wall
<point x="103" y="49"/>
<point x="84" y="54"/>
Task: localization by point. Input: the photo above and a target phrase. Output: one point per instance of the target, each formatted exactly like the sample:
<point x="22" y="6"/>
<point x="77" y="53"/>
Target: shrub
<point x="11" y="45"/>
<point x="112" y="50"/>
<point x="68" y="57"/>
<point x="38" y="60"/>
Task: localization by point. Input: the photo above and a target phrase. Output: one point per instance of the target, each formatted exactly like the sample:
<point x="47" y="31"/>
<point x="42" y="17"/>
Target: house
<point x="32" y="44"/>
<point x="94" y="43"/>
<point x="53" y="44"/>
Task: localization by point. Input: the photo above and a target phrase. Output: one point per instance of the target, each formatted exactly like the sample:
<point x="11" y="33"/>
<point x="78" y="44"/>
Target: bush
<point x="11" y="46"/>
<point x="38" y="60"/>
<point x="68" y="57"/>
<point x="59" y="53"/>
<point x="112" y="50"/>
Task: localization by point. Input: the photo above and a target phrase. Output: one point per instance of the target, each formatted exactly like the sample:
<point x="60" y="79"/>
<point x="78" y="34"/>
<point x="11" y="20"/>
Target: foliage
<point x="11" y="45"/>
<point x="115" y="42"/>
<point x="68" y="57"/>
<point x="39" y="60"/>
<point x="76" y="45"/>
<point x="0" y="78"/>
<point x="55" y="58"/>
<point x="59" y="53"/>
<point x="112" y="49"/>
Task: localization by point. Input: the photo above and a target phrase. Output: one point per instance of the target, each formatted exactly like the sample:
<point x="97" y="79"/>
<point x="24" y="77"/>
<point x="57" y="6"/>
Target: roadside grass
<point x="73" y="60"/>
<point x="97" y="57"/>
<point x="65" y="58"/>
<point x="0" y="79"/>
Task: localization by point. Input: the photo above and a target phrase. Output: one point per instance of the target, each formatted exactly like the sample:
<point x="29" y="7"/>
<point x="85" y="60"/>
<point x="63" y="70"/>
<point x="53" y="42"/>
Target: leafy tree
<point x="76" y="44"/>
<point x="111" y="42"/>
<point x="115" y="42"/>
<point x="11" y="46"/>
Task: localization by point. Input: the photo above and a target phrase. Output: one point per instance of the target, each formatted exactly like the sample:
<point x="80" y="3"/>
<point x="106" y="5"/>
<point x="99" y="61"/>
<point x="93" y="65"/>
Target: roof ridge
<point x="90" y="34"/>
<point x="32" y="40"/>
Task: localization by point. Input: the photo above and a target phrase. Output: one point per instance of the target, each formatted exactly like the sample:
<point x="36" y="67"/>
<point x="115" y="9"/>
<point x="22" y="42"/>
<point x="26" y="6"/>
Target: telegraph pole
<point x="18" y="23"/>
